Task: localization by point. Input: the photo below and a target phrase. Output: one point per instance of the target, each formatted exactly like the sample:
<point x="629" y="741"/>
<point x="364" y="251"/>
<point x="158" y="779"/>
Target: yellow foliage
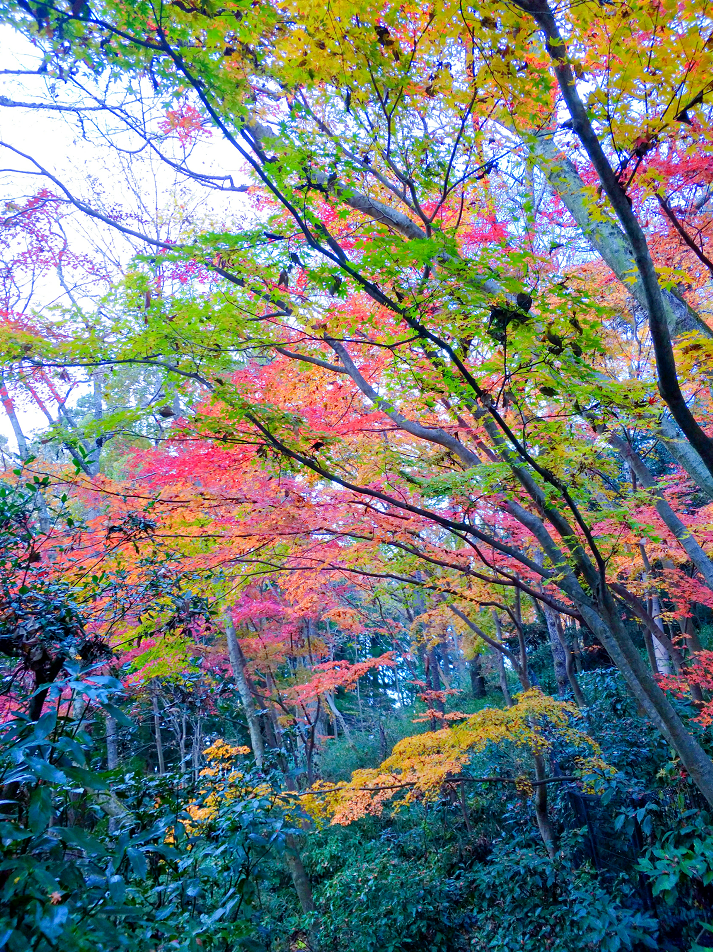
<point x="222" y="782"/>
<point x="221" y="751"/>
<point x="421" y="764"/>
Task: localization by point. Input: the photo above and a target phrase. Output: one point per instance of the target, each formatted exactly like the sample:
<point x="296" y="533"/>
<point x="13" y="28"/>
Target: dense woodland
<point x="356" y="507"/>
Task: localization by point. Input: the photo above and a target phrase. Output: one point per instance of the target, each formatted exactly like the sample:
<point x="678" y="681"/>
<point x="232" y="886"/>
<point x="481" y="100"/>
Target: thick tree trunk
<point x="559" y="659"/>
<point x="677" y="527"/>
<point x="601" y="614"/>
<point x="301" y="882"/>
<point x="607" y="627"/>
<point x="606" y="236"/>
<point x="684" y="454"/>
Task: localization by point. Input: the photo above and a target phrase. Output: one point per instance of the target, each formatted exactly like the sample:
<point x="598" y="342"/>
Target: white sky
<point x="55" y="140"/>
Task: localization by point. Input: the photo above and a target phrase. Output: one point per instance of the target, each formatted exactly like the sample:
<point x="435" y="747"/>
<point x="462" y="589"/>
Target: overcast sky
<point x="75" y="155"/>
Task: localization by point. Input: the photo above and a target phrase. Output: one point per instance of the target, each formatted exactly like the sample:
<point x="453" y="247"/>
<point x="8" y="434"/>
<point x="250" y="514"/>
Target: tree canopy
<point x="356" y="371"/>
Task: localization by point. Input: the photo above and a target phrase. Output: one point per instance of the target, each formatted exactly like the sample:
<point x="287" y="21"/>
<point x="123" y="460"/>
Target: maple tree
<point x="429" y="381"/>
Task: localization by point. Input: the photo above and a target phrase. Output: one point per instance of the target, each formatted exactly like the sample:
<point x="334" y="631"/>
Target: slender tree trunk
<point x="544" y="822"/>
<point x="576" y="647"/>
<point x="383" y="742"/>
<point x="112" y="760"/>
<point x="688" y="630"/>
<point x="157" y="733"/>
<point x="237" y="663"/>
<point x="562" y="656"/>
<point x="112" y="744"/>
<point x="280" y="739"/>
<point x="433" y="676"/>
<point x="339" y="719"/>
<point x="182" y="741"/>
<point x="693" y="644"/>
<point x="650" y="652"/>
<point x="293" y="858"/>
<point x="9" y="407"/>
<point x="196" y="747"/>
<point x="521" y="670"/>
<point x="570" y="665"/>
<point x="663" y="659"/>
<point x="477" y="681"/>
<point x="502" y="678"/>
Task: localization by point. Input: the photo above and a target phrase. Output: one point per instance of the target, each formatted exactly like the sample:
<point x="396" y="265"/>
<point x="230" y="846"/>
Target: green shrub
<point x="524" y="902"/>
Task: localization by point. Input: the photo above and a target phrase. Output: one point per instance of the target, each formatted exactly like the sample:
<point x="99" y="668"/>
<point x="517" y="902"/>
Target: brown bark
<point x="239" y="668"/>
<point x="301" y="882"/>
<point x="609" y="630"/>
<point x="563" y="659"/>
<point x="544" y="823"/>
<point x="503" y="679"/>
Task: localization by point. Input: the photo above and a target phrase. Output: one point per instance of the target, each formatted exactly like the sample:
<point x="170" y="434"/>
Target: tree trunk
<point x="563" y="658"/>
<point x="112" y="761"/>
<point x="570" y="665"/>
<point x="609" y="630"/>
<point x="112" y="744"/>
<point x="433" y="677"/>
<point x="650" y="652"/>
<point x="477" y="681"/>
<point x="693" y="644"/>
<point x="339" y="719"/>
<point x="237" y="663"/>
<point x="559" y="659"/>
<point x="601" y="613"/>
<point x="157" y="733"/>
<point x="544" y="822"/>
<point x="663" y="659"/>
<point x="9" y="407"/>
<point x="521" y="669"/>
<point x="301" y="882"/>
<point x="502" y="678"/>
<point x="182" y="741"/>
<point x="196" y="747"/>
